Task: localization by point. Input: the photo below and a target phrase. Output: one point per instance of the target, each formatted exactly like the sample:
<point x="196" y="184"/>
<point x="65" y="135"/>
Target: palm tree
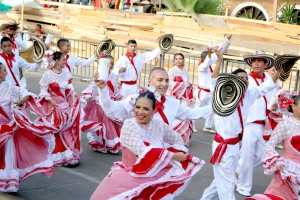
<point x="195" y="6"/>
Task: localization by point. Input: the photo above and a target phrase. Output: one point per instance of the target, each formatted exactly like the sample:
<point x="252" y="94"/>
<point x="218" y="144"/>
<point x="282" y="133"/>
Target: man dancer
<point x="168" y="108"/>
<point x="253" y="144"/>
<point x="129" y="67"/>
<point x="14" y="63"/>
<point x="203" y="92"/>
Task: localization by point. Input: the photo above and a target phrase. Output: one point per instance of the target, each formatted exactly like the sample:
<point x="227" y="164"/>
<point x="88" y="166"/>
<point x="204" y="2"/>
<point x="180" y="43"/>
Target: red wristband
<point x="189" y="158"/>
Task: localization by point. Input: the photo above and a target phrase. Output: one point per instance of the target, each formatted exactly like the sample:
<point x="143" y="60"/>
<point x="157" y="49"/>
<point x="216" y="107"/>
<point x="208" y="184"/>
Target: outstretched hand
<point x="100" y="83"/>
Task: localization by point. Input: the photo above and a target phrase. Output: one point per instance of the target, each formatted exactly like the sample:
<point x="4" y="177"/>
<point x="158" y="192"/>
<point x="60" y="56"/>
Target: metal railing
<point x="85" y="49"/>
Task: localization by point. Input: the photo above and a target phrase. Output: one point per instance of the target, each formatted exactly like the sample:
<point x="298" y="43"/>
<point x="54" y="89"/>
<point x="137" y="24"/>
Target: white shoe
<point x="279" y="146"/>
<point x="209" y="130"/>
<point x="195" y="130"/>
<point x="243" y="192"/>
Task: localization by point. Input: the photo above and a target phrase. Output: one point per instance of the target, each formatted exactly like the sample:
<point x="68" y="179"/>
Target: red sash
<point x="160" y="109"/>
<point x="67" y="64"/>
<point x="127" y="83"/>
<point x="130" y="58"/>
<point x="110" y="86"/>
<point x="221" y="149"/>
<point x="200" y="88"/>
<point x="9" y="59"/>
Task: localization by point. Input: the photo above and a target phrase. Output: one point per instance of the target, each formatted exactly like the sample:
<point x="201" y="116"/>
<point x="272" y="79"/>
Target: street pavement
<point x="79" y="183"/>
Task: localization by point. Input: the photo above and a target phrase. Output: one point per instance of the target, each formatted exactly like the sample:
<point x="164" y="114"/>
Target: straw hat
<point x="8" y="24"/>
<point x="260" y="54"/>
<point x="165" y="42"/>
<point x="39" y="49"/>
<point x="227" y="94"/>
<point x="106" y="45"/>
<point x="284" y="64"/>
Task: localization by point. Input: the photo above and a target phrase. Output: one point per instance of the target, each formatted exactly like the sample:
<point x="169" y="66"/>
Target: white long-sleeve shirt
<point x="258" y="108"/>
<point x="173" y="109"/>
<point x="16" y="65"/>
<point x="230" y="126"/>
<point x="74" y="61"/>
<point x="204" y="71"/>
<point x="139" y="60"/>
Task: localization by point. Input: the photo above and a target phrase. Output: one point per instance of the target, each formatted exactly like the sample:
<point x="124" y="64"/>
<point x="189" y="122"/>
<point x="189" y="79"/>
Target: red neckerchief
<point x="256" y="76"/>
<point x="210" y="68"/>
<point x="110" y="85"/>
<point x="14" y="45"/>
<point x="67" y="64"/>
<point x="160" y="109"/>
<point x="9" y="59"/>
<point x="130" y="58"/>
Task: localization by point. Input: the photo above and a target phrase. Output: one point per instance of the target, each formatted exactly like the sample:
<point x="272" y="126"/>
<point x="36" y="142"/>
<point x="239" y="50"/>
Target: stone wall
<point x="266" y="5"/>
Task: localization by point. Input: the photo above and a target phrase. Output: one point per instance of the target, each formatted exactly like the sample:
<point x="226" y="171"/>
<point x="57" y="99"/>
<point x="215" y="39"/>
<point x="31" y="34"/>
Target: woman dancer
<point x="286" y="181"/>
<point x="57" y="89"/>
<point x="154" y="164"/>
<point x="108" y="140"/>
<point x="25" y="148"/>
<point x="181" y="89"/>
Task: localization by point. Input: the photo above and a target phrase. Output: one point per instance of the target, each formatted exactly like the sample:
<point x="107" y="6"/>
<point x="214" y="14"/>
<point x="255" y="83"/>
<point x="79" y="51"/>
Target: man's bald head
<point x="155" y="69"/>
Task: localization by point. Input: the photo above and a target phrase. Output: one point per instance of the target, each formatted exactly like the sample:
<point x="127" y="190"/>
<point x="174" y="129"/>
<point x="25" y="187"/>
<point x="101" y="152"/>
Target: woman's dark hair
<point x="148" y="95"/>
<point x="296" y="102"/>
<point x="1" y="65"/>
<point x="178" y="54"/>
<point x="57" y="55"/>
<point x="239" y="70"/>
<point x="61" y="41"/>
<point x="5" y="39"/>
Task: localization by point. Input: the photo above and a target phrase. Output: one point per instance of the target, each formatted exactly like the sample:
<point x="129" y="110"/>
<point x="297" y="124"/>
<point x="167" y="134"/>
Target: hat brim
<point x="106" y="45"/>
<point x="4" y="26"/>
<point x="39" y="48"/>
<point x="284" y="64"/>
<point x="165" y="42"/>
<point x="269" y="59"/>
<point x="228" y="91"/>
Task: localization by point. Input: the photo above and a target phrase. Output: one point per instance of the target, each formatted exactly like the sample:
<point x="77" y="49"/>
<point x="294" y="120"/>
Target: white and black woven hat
<point x="106" y="45"/>
<point x="284" y="64"/>
<point x="228" y="92"/>
<point x="165" y="42"/>
<point x="10" y="23"/>
<point x="39" y="49"/>
<point x="260" y="54"/>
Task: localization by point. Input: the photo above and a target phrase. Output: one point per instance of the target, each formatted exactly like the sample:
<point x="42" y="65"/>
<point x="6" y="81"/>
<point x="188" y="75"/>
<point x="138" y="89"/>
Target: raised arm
<point x="186" y="113"/>
<point x="84" y="62"/>
<point x="146" y="57"/>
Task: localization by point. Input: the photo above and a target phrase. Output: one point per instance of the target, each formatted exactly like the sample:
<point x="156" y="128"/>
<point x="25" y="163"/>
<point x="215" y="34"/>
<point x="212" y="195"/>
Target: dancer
<point x="72" y="61"/>
<point x="229" y="132"/>
<point x="110" y="141"/>
<point x="155" y="163"/>
<point x="129" y="67"/>
<point x="181" y="89"/>
<point x="57" y="89"/>
<point x="203" y="92"/>
<point x="253" y="144"/>
<point x="168" y="108"/>
<point x="13" y="63"/>
<point x="286" y="181"/>
<point x="25" y="147"/>
<point x="10" y="30"/>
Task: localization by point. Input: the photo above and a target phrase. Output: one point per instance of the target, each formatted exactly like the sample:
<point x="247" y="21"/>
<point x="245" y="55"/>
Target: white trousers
<point x="127" y="90"/>
<point x="222" y="187"/>
<point x="205" y="99"/>
<point x="252" y="150"/>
